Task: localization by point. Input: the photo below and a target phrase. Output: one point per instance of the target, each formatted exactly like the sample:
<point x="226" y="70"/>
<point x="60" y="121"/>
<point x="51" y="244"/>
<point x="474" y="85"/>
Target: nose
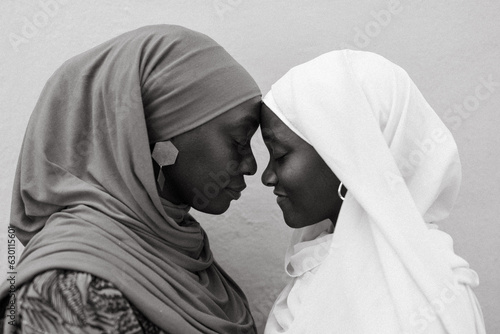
<point x="248" y="165"/>
<point x="269" y="177"/>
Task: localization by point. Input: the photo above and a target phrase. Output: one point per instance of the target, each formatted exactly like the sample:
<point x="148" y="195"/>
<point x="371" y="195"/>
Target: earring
<point x="339" y="191"/>
<point x="165" y="154"/>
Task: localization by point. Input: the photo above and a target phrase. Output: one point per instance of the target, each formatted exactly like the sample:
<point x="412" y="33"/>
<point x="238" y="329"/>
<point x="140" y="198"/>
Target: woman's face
<point x="213" y="159"/>
<point x="305" y="185"/>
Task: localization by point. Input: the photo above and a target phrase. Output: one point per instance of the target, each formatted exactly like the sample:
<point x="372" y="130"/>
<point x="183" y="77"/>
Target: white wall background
<point x="450" y="48"/>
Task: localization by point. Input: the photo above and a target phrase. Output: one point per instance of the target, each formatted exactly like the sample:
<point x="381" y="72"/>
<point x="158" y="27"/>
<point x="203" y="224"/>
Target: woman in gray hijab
<point x="124" y="139"/>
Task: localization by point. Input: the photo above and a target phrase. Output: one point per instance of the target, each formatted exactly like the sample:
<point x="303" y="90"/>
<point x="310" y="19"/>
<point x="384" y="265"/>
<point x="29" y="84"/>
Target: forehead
<point x="273" y="129"/>
<point x="245" y="115"/>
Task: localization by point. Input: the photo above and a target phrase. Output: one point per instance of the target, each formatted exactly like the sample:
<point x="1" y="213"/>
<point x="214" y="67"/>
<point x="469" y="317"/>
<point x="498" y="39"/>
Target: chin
<point x="295" y="221"/>
<point x="215" y="207"/>
<point x="292" y="225"/>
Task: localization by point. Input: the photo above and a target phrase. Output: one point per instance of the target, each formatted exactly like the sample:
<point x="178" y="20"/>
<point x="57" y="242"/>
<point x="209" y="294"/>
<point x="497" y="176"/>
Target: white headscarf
<point x="386" y="268"/>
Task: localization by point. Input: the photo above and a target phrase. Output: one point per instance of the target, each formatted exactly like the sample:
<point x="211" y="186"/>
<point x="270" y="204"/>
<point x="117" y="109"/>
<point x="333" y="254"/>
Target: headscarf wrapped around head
<point x="386" y="266"/>
<point x="85" y="196"/>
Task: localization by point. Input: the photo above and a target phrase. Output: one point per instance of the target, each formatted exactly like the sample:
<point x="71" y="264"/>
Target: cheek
<point x="292" y="182"/>
<point x="327" y="184"/>
<point x="213" y="156"/>
<point x="297" y="179"/>
<point x="216" y="153"/>
<point x="214" y="170"/>
<point x="310" y="185"/>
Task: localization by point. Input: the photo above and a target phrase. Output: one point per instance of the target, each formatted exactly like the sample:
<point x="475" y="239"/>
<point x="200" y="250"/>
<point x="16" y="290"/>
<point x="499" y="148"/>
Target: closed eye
<point x="243" y="146"/>
<point x="279" y="158"/>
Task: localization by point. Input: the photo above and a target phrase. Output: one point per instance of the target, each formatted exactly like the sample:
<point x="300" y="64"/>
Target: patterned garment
<point x="63" y="301"/>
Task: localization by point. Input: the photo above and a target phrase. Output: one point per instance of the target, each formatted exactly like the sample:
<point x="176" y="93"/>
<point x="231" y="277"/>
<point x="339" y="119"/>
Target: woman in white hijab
<point x="353" y="120"/>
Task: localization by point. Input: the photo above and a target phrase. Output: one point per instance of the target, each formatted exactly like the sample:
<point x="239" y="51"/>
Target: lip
<point x="280" y="199"/>
<point x="234" y="193"/>
<point x="237" y="189"/>
<point x="279" y="194"/>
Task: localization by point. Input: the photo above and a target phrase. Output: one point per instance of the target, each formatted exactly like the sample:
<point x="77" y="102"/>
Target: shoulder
<point x="61" y="301"/>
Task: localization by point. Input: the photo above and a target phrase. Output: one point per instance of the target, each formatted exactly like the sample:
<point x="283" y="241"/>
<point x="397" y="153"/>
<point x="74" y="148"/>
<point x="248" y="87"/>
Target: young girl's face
<point x="305" y="185"/>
